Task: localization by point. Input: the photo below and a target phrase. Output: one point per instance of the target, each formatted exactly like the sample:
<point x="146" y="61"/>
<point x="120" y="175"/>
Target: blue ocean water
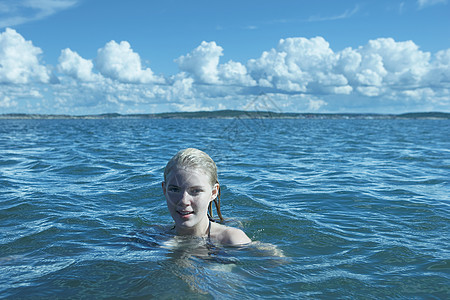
<point x="336" y="209"/>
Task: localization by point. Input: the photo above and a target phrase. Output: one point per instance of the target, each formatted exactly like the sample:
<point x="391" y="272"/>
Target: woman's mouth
<point x="185" y="214"/>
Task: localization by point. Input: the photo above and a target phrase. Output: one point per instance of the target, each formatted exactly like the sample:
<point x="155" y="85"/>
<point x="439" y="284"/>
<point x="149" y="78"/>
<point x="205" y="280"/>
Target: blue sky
<point x="101" y="56"/>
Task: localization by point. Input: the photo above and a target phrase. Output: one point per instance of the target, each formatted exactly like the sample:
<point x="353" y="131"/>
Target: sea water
<point x="336" y="209"/>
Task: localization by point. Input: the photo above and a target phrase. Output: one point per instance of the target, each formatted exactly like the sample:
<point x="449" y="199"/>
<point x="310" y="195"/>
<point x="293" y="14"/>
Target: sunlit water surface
<point x="337" y="209"/>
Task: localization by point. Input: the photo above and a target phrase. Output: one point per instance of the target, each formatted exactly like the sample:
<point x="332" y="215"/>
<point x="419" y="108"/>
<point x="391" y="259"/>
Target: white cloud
<point x="419" y="94"/>
<point x="105" y="95"/>
<point x="72" y="64"/>
<point x="299" y="74"/>
<point x="315" y="105"/>
<point x="382" y="66"/>
<point x="426" y="3"/>
<point x="398" y="63"/>
<point x="120" y="62"/>
<point x="297" y="65"/>
<point x="182" y="88"/>
<point x="348" y="13"/>
<point x="23" y="11"/>
<point x="235" y="73"/>
<point x="6" y="102"/>
<point x="11" y="96"/>
<point x="203" y="64"/>
<point x="345" y="15"/>
<point x="439" y="73"/>
<point x="19" y="60"/>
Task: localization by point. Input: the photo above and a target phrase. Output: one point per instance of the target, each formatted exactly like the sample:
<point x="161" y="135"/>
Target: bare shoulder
<point x="229" y="235"/>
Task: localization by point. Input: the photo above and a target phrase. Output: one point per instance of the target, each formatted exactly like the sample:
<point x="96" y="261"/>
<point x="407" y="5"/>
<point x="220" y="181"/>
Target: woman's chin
<point x="184" y="223"/>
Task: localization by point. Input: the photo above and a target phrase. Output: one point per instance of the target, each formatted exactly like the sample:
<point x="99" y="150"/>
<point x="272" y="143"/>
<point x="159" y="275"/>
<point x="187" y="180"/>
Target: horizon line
<point x="228" y="113"/>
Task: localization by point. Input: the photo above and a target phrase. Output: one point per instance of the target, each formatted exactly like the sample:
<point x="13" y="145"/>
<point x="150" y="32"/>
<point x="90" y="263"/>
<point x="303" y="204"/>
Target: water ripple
<point x="355" y="209"/>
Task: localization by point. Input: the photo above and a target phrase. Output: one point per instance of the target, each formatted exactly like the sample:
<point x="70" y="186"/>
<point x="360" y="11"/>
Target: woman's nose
<point x="185" y="198"/>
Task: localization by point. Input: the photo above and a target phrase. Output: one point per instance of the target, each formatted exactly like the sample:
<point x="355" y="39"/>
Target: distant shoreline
<point x="232" y="114"/>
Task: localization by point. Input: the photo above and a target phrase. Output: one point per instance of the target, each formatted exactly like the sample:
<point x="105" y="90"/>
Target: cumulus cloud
<point x="19" y="60"/>
<point x="106" y="95"/>
<point x="300" y="65"/>
<point x="203" y="64"/>
<point x="440" y="69"/>
<point x="315" y="105"/>
<point x="383" y="63"/>
<point x="11" y="96"/>
<point x="72" y="64"/>
<point x="182" y="88"/>
<point x="6" y="102"/>
<point x="118" y="61"/>
<point x="297" y="65"/>
<point x="298" y="73"/>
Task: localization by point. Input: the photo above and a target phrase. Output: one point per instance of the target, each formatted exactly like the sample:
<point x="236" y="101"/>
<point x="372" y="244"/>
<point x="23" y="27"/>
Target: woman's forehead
<point x="180" y="176"/>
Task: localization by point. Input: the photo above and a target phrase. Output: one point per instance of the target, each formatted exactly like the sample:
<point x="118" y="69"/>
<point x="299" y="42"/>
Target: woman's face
<point x="188" y="193"/>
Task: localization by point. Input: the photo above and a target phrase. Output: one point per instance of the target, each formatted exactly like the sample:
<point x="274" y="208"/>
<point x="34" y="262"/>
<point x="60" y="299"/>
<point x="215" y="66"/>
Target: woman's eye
<point x="173" y="189"/>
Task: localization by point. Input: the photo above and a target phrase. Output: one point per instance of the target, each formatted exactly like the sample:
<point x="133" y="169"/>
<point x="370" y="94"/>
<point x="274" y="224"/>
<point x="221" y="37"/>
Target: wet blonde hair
<point x="197" y="159"/>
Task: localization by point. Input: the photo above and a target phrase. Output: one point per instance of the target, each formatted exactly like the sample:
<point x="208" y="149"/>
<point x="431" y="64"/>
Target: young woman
<point x="190" y="187"/>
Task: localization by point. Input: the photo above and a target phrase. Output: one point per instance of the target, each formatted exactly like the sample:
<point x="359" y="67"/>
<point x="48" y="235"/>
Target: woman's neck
<point x="200" y="230"/>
